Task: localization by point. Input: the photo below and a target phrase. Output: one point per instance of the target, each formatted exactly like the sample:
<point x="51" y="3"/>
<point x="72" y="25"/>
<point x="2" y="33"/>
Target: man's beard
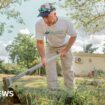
<point x="51" y="22"/>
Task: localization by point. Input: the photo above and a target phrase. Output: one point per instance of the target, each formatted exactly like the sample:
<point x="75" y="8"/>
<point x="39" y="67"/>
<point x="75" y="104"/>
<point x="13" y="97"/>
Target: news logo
<point x="6" y="93"/>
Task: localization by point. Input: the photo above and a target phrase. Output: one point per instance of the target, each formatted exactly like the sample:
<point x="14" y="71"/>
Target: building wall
<point x="84" y="63"/>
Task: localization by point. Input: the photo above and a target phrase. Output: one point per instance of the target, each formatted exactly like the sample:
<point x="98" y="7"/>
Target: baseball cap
<point x="45" y="9"/>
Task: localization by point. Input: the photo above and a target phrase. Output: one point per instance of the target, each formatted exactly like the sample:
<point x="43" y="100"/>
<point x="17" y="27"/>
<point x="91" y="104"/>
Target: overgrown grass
<point x="33" y="91"/>
<point x="85" y="94"/>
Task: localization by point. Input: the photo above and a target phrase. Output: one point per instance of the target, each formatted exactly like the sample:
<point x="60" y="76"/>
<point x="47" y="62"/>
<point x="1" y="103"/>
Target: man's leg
<point x="68" y="72"/>
<point x="51" y="70"/>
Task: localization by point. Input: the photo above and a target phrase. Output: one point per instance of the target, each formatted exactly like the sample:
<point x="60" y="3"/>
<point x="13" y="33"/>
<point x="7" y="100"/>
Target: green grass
<point x="33" y="91"/>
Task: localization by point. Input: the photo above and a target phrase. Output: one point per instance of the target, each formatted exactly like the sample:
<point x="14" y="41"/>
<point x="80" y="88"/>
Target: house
<point x="86" y="63"/>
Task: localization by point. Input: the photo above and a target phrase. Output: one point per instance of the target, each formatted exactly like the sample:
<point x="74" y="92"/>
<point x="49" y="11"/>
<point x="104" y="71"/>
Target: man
<point x="60" y="36"/>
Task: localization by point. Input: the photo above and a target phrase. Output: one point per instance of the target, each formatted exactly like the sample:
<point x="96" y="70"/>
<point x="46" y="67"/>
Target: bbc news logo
<point x="6" y="93"/>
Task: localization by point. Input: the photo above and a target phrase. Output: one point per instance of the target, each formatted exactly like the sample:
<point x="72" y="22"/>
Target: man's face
<point x="50" y="19"/>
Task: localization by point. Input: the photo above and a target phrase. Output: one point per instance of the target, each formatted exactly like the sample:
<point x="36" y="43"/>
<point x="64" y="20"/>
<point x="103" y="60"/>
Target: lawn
<point x="32" y="90"/>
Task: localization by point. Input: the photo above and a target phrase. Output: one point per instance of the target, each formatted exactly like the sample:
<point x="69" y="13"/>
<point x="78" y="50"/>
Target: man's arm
<point x="69" y="45"/>
<point x="71" y="42"/>
<point x="40" y="47"/>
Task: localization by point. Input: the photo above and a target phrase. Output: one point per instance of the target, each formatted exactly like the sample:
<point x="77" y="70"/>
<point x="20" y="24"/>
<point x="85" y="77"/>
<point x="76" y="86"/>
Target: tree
<point x="23" y="50"/>
<point x="104" y="48"/>
<point x="88" y="48"/>
<point x="8" y="11"/>
<point x="1" y="64"/>
<point x="87" y="14"/>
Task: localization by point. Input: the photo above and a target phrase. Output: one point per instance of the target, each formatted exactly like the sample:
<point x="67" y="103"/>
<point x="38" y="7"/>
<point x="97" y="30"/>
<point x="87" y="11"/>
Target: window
<point x="78" y="60"/>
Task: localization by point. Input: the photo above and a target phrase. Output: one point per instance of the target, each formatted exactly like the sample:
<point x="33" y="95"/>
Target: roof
<point x="88" y="54"/>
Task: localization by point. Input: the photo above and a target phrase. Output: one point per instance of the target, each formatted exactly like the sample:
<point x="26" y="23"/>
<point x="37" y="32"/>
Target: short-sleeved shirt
<point x="57" y="34"/>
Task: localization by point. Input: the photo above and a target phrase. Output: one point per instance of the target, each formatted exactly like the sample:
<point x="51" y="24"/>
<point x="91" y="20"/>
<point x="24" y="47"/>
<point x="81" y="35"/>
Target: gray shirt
<point x="57" y="34"/>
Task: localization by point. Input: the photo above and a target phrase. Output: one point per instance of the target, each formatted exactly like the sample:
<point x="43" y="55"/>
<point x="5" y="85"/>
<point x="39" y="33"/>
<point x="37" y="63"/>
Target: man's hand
<point x="44" y="62"/>
<point x="64" y="52"/>
<point x="68" y="46"/>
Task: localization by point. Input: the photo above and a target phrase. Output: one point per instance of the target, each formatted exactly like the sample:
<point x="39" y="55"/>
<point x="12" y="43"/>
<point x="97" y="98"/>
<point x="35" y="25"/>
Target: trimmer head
<point x="6" y="83"/>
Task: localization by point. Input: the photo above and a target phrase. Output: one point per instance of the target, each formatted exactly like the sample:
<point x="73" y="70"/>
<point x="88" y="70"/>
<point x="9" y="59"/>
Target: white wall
<point x="88" y="63"/>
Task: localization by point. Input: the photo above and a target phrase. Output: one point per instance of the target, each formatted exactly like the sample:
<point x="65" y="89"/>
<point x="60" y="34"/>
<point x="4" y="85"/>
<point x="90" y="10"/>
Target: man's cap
<point x="45" y="9"/>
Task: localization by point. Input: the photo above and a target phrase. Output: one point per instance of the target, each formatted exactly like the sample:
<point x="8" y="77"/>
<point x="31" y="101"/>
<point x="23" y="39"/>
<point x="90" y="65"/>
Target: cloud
<point x="78" y="46"/>
<point x="79" y="43"/>
<point x="24" y="31"/>
<point x="3" y="52"/>
<point x="77" y="49"/>
<point x="97" y="41"/>
<point x="99" y="50"/>
<point x="5" y="59"/>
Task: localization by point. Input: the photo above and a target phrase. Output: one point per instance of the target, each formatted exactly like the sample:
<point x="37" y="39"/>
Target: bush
<point x="11" y="69"/>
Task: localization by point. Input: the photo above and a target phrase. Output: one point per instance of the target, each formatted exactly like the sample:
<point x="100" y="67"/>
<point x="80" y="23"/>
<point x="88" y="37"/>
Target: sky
<point x="29" y="12"/>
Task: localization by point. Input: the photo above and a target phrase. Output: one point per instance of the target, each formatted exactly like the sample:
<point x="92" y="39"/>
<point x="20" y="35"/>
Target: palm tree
<point x="88" y="48"/>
